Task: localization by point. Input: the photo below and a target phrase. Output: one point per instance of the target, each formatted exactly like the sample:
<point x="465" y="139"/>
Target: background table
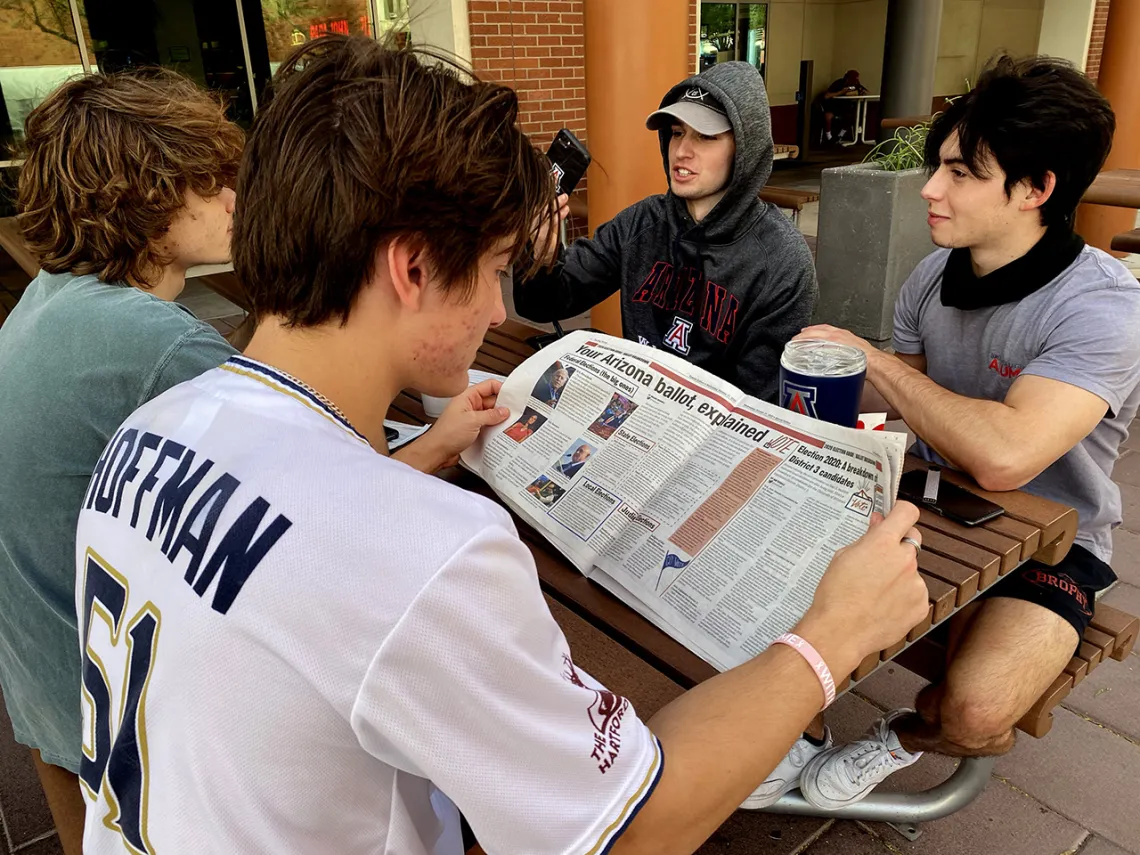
<point x="861" y="101"/>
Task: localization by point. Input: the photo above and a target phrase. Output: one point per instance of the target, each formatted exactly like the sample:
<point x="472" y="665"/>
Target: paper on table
<point x="405" y="433"/>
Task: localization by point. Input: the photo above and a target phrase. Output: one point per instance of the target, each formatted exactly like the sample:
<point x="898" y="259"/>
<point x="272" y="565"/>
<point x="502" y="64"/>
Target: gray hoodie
<point x="726" y="293"/>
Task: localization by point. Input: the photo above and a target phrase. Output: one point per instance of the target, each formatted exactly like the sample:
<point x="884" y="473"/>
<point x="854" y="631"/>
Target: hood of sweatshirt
<point x="739" y="88"/>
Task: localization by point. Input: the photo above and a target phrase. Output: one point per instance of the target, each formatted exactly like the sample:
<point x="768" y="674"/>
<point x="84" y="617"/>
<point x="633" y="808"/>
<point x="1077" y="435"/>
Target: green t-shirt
<point x="77" y="356"/>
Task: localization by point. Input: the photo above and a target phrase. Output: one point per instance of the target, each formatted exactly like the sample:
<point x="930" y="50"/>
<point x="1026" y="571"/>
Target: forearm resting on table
<point x="874" y="402"/>
<point x="1001" y="445"/>
<point x="720" y="740"/>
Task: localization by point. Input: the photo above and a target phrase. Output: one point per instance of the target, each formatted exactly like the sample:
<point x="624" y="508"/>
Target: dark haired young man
<point x="706" y="270"/>
<point x="316" y="648"/>
<point x="1018" y="361"/>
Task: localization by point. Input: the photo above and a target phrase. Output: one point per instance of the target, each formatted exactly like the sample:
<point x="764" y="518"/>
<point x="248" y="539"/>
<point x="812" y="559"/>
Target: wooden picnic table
<point x="957" y="564"/>
<point x="1118" y="188"/>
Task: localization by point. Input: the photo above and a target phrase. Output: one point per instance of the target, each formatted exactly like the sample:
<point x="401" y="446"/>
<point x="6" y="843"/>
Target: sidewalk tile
<point x="1100" y="846"/>
<point x="891" y="687"/>
<point x="847" y="838"/>
<point x="1002" y="821"/>
<point x="1130" y="498"/>
<point x="1081" y="771"/>
<point x="1110" y="695"/>
<point x="1127" y="468"/>
<point x="1126" y="556"/>
<point x="47" y="846"/>
<point x="1123" y="596"/>
<point x="751" y="833"/>
<point x="21" y="796"/>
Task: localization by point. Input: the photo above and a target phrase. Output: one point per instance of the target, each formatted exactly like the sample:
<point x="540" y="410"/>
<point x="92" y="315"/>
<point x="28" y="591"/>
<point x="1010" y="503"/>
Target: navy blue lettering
<point x="170" y="451"/>
<point x="99" y="585"/>
<point x="236" y="557"/>
<point x="215" y="498"/>
<point x="172" y="498"/>
<point x="105" y="497"/>
<point x="148" y="440"/>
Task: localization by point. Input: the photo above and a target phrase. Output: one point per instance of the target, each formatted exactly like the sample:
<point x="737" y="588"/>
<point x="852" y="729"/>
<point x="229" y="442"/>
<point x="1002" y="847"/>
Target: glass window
<point x="733" y="31"/>
<point x="38" y="51"/>
<point x="199" y="38"/>
<point x="289" y="23"/>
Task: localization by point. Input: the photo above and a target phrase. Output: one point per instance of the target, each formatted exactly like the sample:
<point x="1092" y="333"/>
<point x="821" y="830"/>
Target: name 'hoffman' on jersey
<point x="115" y="490"/>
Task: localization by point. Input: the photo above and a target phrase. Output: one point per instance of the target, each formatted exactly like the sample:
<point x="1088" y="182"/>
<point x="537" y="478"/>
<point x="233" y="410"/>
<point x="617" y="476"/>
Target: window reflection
<point x="38" y="51"/>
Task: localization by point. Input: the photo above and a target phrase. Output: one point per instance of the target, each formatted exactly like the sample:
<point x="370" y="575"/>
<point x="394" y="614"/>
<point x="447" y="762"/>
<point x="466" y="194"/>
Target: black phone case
<point x="992" y="510"/>
<point x="569" y="160"/>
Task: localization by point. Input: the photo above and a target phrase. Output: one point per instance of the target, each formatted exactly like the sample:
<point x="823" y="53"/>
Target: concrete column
<point x="1119" y="71"/>
<point x="909" y="56"/>
<point x="1066" y="27"/>
<point x="636" y="50"/>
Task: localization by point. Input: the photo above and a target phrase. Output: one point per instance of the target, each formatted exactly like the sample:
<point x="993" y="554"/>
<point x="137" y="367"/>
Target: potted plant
<point x="872" y="233"/>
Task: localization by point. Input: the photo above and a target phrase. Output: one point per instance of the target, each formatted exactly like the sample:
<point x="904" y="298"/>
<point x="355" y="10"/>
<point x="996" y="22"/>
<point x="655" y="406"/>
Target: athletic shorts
<point x="1069" y="589"/>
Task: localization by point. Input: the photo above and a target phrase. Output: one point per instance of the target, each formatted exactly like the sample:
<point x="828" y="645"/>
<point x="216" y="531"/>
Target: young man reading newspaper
<point x="320" y="649"/>
<point x="1018" y="361"/>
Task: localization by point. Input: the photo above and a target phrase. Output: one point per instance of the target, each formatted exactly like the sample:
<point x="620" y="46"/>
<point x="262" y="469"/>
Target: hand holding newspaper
<point x="711" y="513"/>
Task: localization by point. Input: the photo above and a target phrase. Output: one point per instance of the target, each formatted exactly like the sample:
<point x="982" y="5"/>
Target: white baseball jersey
<point x="294" y="644"/>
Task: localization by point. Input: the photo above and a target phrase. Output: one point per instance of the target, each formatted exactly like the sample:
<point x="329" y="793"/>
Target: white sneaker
<point x="847" y="773"/>
<point x="786" y="776"/>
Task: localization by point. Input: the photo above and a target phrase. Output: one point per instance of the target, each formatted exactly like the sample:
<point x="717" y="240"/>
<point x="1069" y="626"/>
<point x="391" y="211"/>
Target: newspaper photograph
<point x="711" y="513"/>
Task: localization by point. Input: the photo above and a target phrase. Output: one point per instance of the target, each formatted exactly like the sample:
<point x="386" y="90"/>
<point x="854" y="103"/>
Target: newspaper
<point x="711" y="513"/>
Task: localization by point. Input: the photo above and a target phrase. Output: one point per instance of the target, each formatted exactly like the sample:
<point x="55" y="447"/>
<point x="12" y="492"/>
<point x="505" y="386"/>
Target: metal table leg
<point x="953" y="794"/>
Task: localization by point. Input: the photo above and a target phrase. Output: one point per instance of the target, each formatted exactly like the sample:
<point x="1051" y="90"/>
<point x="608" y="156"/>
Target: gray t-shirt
<point x="1082" y="328"/>
<point x="77" y="356"/>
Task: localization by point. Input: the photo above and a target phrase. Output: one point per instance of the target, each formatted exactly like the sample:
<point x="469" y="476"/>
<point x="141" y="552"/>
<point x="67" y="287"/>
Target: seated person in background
<point x="832" y="109"/>
<point x="125" y="184"/>
<point x="706" y="270"/>
<point x="426" y="675"/>
<point x="1017" y="361"/>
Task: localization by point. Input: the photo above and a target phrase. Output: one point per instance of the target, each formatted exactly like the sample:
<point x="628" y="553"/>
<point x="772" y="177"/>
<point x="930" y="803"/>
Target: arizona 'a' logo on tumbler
<point x="798" y="398"/>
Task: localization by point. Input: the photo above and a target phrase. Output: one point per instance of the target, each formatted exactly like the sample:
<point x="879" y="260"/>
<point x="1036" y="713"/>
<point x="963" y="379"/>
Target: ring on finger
<point x="913" y="542"/>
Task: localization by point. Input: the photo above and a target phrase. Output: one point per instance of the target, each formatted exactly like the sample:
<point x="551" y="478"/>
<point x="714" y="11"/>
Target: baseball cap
<point x="697" y="109"/>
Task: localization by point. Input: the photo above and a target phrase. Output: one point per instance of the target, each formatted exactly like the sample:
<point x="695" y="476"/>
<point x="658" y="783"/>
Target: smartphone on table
<point x="949" y="500"/>
<point x="569" y="159"/>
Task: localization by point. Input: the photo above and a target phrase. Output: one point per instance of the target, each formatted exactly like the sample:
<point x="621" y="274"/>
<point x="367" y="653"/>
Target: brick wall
<point x="1096" y="42"/>
<point x="539" y="48"/>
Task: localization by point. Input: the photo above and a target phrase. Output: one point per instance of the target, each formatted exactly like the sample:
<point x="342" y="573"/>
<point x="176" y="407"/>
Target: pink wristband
<point x="826" y="681"/>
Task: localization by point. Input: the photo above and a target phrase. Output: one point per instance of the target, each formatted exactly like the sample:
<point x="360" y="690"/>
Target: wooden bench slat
<point x="1121" y="625"/>
<point x="1027" y="533"/>
<point x="986" y="563"/>
<point x="1102" y="640"/>
<point x="891" y="652"/>
<point x="1090" y="653"/>
<point x="1007" y="549"/>
<point x="965" y="579"/>
<point x="942" y="595"/>
<point x="1039" y="720"/>
<point x="923" y="626"/>
<point x="508" y="342"/>
<point x="1057" y="522"/>
<point x="516" y="331"/>
<point x="869" y="664"/>
<point x="1078" y="669"/>
<point x="486" y="362"/>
